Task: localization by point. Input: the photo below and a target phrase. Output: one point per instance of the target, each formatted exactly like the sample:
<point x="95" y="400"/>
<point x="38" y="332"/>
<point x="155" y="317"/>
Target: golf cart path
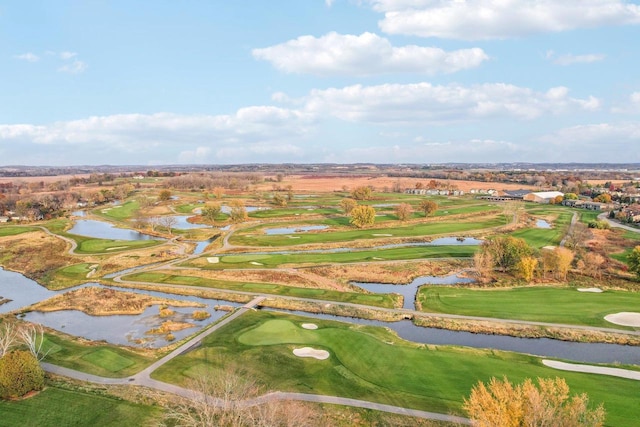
<point x="604" y="216"/>
<point x="143" y="378"/>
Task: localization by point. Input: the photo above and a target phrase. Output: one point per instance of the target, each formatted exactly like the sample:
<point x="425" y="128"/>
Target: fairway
<point x="540" y="304"/>
<point x="374" y="364"/>
<point x="13" y="230"/>
<point x="55" y="407"/>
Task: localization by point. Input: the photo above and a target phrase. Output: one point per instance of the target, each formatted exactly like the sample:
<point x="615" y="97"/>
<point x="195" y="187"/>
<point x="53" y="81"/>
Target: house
<point x="542" y="196"/>
<point x="4" y="219"/>
<point x="632" y="213"/>
<point x="516" y="194"/>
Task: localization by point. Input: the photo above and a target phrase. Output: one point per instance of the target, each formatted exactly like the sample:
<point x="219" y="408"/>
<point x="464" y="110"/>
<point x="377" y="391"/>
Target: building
<point x="542" y="196"/>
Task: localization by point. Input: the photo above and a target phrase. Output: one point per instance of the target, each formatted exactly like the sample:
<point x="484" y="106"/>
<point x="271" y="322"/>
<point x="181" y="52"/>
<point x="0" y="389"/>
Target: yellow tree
<point x="363" y="216"/>
<point x="428" y="207"/>
<point x="403" y="211"/>
<point x="526" y="268"/>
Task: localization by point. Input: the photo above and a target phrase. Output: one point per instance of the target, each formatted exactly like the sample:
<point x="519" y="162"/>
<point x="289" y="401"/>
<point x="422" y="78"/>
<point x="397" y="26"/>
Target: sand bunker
<point x="255" y="263"/>
<point x="116" y="248"/>
<point x="309" y="326"/>
<point x="382" y="235"/>
<point x="594" y="290"/>
<point x="213" y="259"/>
<point x="293" y="237"/>
<point x="590" y="369"/>
<point x="625" y="319"/>
<point x="311" y="352"/>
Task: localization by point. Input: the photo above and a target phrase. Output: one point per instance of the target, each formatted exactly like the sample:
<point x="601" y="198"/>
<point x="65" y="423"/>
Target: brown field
<point x="45" y="179"/>
<point x="325" y="184"/>
<point x="111" y="302"/>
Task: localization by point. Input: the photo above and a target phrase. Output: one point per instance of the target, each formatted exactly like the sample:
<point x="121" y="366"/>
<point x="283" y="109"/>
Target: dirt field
<point x="323" y="184"/>
<point x="45" y="179"/>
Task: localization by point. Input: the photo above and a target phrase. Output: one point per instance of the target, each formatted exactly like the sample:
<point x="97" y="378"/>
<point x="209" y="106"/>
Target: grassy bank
<point x="374" y="364"/>
<point x="541" y="304"/>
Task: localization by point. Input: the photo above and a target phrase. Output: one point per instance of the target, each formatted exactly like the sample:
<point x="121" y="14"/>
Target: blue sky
<point x="310" y="81"/>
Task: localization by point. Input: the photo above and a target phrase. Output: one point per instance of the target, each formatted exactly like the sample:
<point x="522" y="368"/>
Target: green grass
<point x="276" y="260"/>
<point x="75" y="271"/>
<point x="377" y="300"/>
<point x="374" y="364"/>
<point x="13" y="230"/>
<point x="540" y="237"/>
<point x="587" y="216"/>
<point x="121" y="212"/>
<point x="88" y="245"/>
<point x="285" y="212"/>
<point x="415" y="230"/>
<point x="542" y="304"/>
<point x="98" y="359"/>
<point x="55" y="406"/>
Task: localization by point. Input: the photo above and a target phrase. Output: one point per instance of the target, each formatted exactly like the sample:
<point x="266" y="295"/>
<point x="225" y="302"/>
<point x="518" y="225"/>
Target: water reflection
<point x="105" y="230"/>
<point x="291" y="230"/>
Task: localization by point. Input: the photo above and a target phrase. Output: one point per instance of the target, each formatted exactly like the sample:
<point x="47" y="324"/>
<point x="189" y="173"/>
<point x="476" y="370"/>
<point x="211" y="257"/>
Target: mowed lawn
<point x="275" y="260"/>
<point x="12" y="230"/>
<point x="55" y="407"/>
<point x="377" y="300"/>
<point x="374" y="364"/>
<point x="541" y="304"/>
<point x="431" y="228"/>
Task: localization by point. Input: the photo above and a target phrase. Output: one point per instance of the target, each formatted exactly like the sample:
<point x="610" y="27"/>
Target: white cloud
<point x="366" y="54"/>
<point x="607" y="142"/>
<point x="631" y="106"/>
<point x="29" y="57"/>
<point x="68" y="55"/>
<point x="421" y="103"/>
<point x="329" y="3"/>
<point x="570" y="59"/>
<point x="255" y="130"/>
<point x="499" y="19"/>
<point x="75" y="67"/>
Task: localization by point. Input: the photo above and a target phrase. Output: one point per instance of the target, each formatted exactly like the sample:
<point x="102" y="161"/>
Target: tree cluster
<point x="20" y="371"/>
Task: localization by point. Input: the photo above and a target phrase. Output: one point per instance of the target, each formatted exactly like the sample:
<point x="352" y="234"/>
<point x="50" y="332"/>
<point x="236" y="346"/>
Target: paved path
<point x="591" y="369"/>
<point x="604" y="216"/>
<point x="572" y="225"/>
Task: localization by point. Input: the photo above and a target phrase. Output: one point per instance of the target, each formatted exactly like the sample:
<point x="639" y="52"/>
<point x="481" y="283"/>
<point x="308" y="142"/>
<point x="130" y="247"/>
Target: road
<point x="604" y="216"/>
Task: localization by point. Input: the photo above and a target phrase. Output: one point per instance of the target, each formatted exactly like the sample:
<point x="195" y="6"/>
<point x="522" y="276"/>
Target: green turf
<point x="406" y="253"/>
<point x="119" y="212"/>
<point x="98" y="359"/>
<point x="542" y="304"/>
<point x="75" y="271"/>
<point x="388" y="300"/>
<point x="373" y="364"/>
<point x="108" y="359"/>
<point x="95" y="246"/>
<point x="55" y="407"/>
<point x="12" y="230"/>
<point x="415" y="230"/>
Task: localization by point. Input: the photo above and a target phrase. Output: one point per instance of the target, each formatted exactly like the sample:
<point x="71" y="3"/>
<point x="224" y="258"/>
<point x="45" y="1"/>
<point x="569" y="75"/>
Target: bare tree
<point x="33" y="337"/>
<point x="8" y="337"/>
<point x="168" y="221"/>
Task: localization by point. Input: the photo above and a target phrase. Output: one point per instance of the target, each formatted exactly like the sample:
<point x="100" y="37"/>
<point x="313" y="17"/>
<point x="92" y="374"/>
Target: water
<point x="227" y="209"/>
<point x="79" y="213"/>
<point x="541" y="223"/>
<point x="409" y="290"/>
<point x="115" y="329"/>
<point x="182" y="223"/>
<point x="291" y="230"/>
<point x="543" y="347"/>
<point x="104" y="230"/>
<point x="201" y="246"/>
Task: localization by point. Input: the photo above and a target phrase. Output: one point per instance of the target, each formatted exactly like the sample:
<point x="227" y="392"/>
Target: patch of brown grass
<point x="110" y="302"/>
<point x="170" y="326"/>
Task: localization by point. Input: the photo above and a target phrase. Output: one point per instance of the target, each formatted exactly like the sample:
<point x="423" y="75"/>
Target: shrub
<point x="20" y="373"/>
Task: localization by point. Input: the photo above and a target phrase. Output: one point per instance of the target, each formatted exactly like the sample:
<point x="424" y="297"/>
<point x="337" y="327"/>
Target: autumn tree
<point x="238" y="211"/>
<point x="548" y="403"/>
<point x="403" y="211"/>
<point x="483" y="263"/>
<point x="506" y="251"/>
<point x="164" y="195"/>
<point x="634" y="261"/>
<point x="361" y="193"/>
<point x="210" y="212"/>
<point x="557" y="261"/>
<point x="168" y="222"/>
<point x="363" y="216"/>
<point x="526" y="268"/>
<point x="428" y="207"/>
<point x="347" y="205"/>
<point x="591" y="264"/>
<point x="218" y="192"/>
<point x="279" y="200"/>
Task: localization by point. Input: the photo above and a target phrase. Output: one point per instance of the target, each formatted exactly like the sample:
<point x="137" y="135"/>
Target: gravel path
<point x="591" y="369"/>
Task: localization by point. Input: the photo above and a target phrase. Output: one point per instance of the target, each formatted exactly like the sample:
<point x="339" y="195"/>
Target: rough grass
<point x="542" y="304"/>
<point x="374" y="364"/>
<point x="377" y="300"/>
<point x="12" y="230"/>
<point x="55" y="406"/>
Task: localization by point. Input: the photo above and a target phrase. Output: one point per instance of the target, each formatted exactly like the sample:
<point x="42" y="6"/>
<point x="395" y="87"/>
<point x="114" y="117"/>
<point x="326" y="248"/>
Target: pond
<point x="227" y="209"/>
<point x="298" y="229"/>
<point x="541" y="223"/>
<point x="409" y="290"/>
<point x="182" y="223"/>
<point x="543" y="347"/>
<point x="105" y="230"/>
<point x="117" y="329"/>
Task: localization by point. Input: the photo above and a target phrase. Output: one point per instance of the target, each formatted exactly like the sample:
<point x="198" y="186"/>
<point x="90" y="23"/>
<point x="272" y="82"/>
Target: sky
<point x="122" y="82"/>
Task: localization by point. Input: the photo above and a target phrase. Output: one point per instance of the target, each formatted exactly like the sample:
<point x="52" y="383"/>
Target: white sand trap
<point x="213" y="259"/>
<point x="117" y="247"/>
<point x="311" y="352"/>
<point x="309" y="326"/>
<point x="382" y="235"/>
<point x="594" y="290"/>
<point x="256" y="263"/>
<point x="377" y="258"/>
<point x="590" y="369"/>
<point x="625" y="318"/>
<point x="293" y="237"/>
